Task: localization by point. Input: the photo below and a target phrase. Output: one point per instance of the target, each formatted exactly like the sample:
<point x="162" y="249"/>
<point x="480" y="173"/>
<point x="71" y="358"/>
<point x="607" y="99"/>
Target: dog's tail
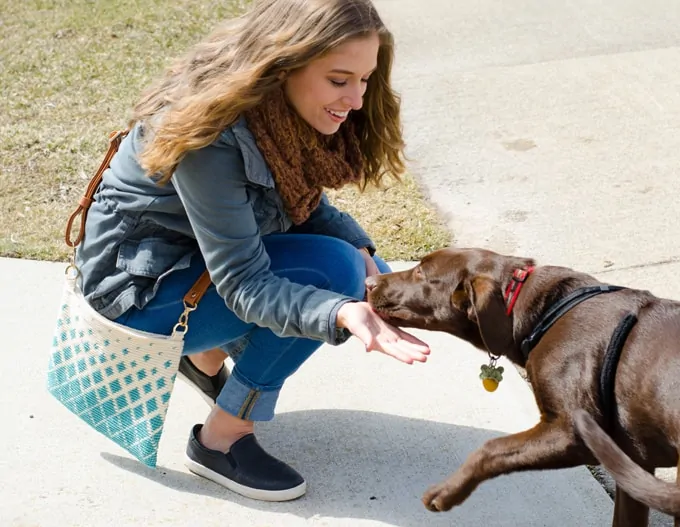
<point x="629" y="476"/>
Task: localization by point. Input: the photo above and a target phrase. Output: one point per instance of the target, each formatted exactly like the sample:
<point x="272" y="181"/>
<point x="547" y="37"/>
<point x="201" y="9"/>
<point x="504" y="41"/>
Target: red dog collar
<point x="515" y="286"/>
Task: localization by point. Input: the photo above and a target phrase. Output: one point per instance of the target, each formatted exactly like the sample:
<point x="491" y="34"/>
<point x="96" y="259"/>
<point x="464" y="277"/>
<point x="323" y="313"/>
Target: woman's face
<point x="327" y="89"/>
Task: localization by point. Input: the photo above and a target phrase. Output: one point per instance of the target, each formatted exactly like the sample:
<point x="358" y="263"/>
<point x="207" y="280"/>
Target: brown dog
<point x="495" y="302"/>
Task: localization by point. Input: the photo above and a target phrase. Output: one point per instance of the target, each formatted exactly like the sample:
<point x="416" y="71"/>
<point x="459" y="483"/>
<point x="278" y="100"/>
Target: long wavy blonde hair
<point x="231" y="71"/>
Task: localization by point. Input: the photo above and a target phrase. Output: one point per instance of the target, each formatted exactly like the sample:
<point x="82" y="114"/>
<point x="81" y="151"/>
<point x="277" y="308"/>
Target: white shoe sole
<point x="248" y="492"/>
<point x="195" y="388"/>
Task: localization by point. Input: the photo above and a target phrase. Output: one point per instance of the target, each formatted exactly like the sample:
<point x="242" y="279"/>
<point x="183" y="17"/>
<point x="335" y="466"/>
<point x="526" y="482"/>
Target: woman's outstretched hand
<point x="377" y="334"/>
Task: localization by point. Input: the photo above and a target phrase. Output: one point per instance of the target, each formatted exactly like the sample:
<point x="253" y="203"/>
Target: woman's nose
<point x="355" y="98"/>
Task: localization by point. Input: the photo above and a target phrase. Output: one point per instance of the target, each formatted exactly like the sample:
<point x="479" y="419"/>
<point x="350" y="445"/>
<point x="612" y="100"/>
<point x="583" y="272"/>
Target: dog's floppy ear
<point x="486" y="308"/>
<point x="460" y="299"/>
<point x="472" y="295"/>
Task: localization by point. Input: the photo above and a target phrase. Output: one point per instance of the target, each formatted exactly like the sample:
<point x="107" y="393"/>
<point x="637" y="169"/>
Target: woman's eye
<point x="338" y="83"/>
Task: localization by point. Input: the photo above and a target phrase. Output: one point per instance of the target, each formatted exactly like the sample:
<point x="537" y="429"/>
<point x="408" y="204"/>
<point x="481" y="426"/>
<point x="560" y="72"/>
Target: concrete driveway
<point x="541" y="128"/>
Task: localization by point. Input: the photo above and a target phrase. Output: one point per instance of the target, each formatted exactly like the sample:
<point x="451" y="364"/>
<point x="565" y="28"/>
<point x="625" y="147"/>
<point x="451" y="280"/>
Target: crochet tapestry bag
<point x="117" y="379"/>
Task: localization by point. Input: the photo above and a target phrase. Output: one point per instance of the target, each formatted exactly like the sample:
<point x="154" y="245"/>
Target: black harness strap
<point x="616" y="343"/>
<point x="611" y="361"/>
<point x="560" y="308"/>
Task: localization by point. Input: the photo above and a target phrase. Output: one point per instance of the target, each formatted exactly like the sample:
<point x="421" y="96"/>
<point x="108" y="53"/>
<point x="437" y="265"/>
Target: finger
<point x="402" y="351"/>
<point x="400" y="333"/>
<point x="407" y="349"/>
<point x="414" y="341"/>
<point x="405" y="354"/>
<point x="416" y="356"/>
<point x="397" y="354"/>
<point x="390" y="334"/>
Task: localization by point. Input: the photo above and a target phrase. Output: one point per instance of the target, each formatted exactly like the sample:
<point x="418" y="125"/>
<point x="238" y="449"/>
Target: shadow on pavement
<point x="357" y="464"/>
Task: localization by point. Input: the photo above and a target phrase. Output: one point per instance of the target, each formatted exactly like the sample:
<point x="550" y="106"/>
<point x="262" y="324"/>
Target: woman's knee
<point x="318" y="260"/>
<point x="348" y="274"/>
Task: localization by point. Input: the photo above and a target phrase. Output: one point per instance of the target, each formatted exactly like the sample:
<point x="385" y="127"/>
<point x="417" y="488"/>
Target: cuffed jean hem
<point x="244" y="402"/>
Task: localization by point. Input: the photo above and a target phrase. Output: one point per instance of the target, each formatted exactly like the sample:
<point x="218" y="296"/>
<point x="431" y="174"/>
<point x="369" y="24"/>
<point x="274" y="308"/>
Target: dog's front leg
<point x="547" y="445"/>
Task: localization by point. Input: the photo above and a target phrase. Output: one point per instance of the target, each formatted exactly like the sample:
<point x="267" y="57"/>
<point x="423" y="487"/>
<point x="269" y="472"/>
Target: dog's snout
<point x="371" y="283"/>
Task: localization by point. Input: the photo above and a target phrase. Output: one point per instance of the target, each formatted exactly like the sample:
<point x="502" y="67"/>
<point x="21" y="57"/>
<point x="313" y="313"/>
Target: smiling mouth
<point x="337" y="115"/>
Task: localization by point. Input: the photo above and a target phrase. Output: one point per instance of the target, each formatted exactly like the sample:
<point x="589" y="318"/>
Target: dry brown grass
<point x="70" y="71"/>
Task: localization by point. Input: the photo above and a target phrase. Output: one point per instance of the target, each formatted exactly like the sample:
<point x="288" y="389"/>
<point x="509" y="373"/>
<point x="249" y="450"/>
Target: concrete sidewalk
<point x="369" y="434"/>
<point x="540" y="128"/>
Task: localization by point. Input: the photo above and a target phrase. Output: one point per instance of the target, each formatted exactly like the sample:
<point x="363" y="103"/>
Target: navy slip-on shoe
<point x="207" y="387"/>
<point x="246" y="469"/>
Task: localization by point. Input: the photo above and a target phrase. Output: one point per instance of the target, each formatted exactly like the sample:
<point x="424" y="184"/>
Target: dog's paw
<point x="437" y="498"/>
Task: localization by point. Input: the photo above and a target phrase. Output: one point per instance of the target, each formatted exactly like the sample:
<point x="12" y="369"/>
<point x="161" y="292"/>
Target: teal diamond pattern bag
<point x="116" y="379"/>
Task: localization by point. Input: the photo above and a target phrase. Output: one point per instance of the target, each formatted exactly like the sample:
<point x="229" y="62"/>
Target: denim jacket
<point x="220" y="200"/>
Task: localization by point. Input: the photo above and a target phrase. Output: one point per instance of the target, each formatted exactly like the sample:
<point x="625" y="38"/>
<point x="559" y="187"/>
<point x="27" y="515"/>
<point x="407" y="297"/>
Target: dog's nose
<point x="371" y="282"/>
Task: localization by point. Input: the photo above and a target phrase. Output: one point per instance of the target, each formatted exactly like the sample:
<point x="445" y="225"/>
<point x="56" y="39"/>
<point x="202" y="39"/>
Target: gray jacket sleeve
<point x="328" y="220"/>
<point x="211" y="184"/>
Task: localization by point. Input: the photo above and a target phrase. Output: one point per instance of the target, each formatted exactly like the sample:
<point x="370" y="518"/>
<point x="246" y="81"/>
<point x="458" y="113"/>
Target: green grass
<point x="70" y="70"/>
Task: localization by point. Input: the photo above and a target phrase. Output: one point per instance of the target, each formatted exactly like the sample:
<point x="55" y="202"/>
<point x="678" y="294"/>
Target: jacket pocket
<point x="153" y="257"/>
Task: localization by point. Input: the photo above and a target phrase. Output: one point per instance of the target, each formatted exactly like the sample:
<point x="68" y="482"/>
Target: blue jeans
<point x="262" y="360"/>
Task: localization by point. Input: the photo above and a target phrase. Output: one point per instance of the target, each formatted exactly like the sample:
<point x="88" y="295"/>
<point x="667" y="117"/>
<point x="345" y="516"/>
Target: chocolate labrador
<point x="603" y="362"/>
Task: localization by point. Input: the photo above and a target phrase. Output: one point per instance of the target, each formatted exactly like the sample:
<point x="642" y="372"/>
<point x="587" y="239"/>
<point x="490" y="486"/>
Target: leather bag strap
<point x="86" y="200"/>
<point x="194" y="295"/>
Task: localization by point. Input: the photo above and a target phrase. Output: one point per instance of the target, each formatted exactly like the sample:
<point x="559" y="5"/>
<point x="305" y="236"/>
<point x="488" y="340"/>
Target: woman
<point x="224" y="168"/>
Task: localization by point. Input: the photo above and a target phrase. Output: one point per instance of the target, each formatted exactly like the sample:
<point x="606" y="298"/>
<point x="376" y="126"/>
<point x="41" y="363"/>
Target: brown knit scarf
<point x="302" y="160"/>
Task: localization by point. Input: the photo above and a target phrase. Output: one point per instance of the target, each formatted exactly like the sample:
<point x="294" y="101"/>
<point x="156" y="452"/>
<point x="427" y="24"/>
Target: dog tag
<point x="491" y="376"/>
